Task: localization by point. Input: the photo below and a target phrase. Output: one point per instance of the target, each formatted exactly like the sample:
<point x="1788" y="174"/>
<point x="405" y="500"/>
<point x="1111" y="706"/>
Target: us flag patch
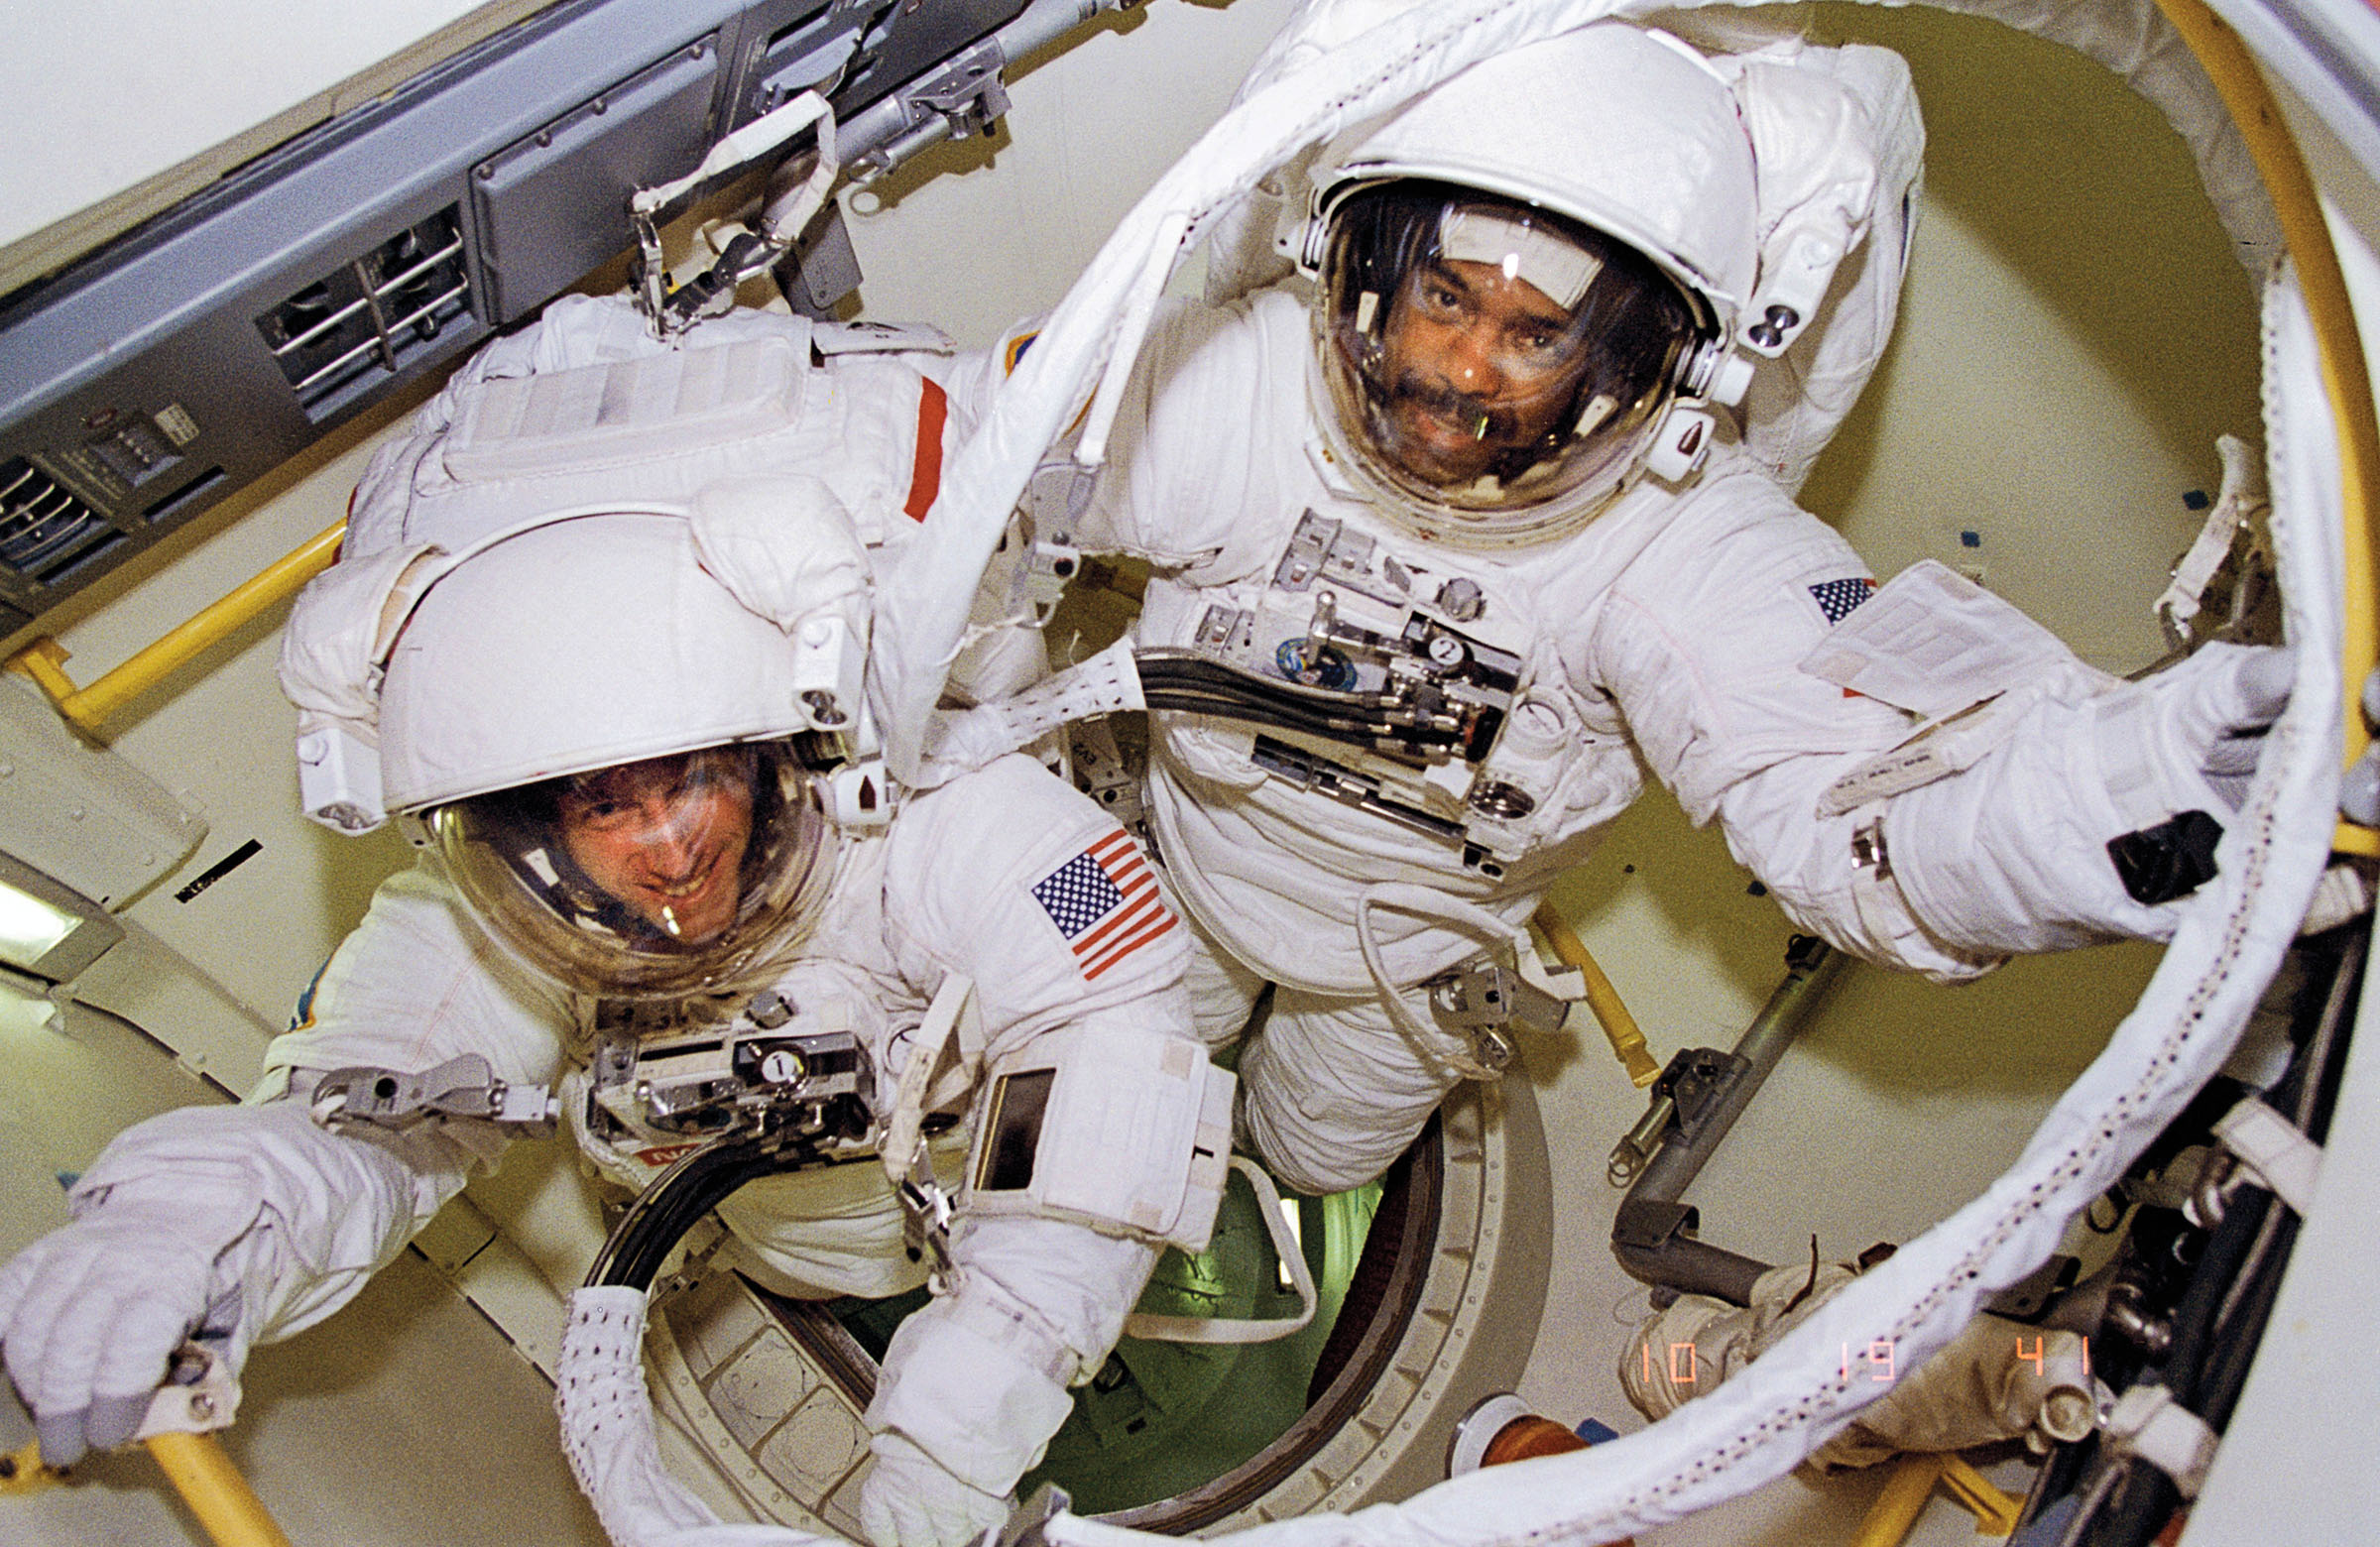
<point x="1105" y="903"/>
<point x="1838" y="599"/>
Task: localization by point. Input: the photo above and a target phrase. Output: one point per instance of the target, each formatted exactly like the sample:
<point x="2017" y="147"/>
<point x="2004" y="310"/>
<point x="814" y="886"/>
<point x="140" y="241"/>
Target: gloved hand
<point x="2178" y="758"/>
<point x="2219" y="704"/>
<point x="908" y="1499"/>
<point x="2103" y="805"/>
<point x="90" y="1316"/>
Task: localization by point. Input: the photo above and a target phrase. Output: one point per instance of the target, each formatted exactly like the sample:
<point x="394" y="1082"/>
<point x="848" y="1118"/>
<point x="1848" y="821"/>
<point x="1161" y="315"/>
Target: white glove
<point x="908" y="1499"/>
<point x="239" y="1222"/>
<point x="92" y="1314"/>
<point x="2095" y="813"/>
<point x="2219" y="704"/>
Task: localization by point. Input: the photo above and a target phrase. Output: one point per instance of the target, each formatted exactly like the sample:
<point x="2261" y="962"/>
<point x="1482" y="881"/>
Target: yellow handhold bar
<point x="90" y="708"/>
<point x="215" y="1491"/>
<point x="1911" y="1486"/>
<point x="2232" y="69"/>
<point x="225" y="1505"/>
<point x="1628" y="1042"/>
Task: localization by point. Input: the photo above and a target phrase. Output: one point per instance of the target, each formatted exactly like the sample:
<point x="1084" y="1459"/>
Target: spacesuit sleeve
<point x="285" y="1219"/>
<point x="1039" y="896"/>
<point x="1179" y="465"/>
<point x="1701" y="643"/>
<point x="414" y="985"/>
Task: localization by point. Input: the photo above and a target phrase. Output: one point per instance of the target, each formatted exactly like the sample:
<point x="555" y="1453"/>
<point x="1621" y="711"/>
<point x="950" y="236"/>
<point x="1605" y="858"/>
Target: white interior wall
<point x="2041" y="394"/>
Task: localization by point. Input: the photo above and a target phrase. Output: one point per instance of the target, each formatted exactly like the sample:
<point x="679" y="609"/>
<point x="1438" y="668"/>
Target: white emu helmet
<point x="1524" y="273"/>
<point x="605" y="745"/>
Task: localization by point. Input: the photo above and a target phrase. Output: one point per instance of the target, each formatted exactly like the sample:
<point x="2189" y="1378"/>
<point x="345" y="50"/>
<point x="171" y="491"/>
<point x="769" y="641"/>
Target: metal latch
<point x="462" y="1087"/>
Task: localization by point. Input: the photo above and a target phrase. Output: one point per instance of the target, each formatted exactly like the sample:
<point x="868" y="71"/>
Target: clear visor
<point x="679" y="875"/>
<point x="1486" y="360"/>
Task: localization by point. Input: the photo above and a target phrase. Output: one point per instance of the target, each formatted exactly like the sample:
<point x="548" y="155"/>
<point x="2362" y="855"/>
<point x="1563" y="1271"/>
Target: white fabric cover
<point x="606" y="1414"/>
<point x="500" y="678"/>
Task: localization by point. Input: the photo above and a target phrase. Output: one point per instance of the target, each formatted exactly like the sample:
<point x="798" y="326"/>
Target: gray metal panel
<point x="168" y="318"/>
<point x="555" y="205"/>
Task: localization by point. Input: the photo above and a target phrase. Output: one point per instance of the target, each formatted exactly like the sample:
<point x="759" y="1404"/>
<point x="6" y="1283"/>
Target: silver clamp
<point x="925" y="1214"/>
<point x="462" y="1087"/>
<point x="1041" y="577"/>
<point x="2273" y="1149"/>
<point x="1483" y="997"/>
<point x="199" y="1396"/>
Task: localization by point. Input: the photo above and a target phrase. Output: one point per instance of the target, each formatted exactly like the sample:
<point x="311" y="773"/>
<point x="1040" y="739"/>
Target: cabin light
<point x="48" y="929"/>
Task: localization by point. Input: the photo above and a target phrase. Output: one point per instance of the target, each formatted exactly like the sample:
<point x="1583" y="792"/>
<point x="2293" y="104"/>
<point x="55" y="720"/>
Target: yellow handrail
<point x="90" y="708"/>
<point x="215" y="1491"/>
<point x="1912" y="1485"/>
<point x="2232" y="69"/>
<point x="1628" y="1042"/>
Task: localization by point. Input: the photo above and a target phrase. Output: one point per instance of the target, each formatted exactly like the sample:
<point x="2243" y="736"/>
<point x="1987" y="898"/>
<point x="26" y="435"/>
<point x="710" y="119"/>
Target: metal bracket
<point x="1651" y="1224"/>
<point x="1484" y="998"/>
<point x="965" y="98"/>
<point x="462" y="1087"/>
<point x="1695" y="1082"/>
<point x="1026" y="1525"/>
<point x="200" y="1396"/>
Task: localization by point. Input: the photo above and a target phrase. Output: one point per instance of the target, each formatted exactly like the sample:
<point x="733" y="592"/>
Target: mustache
<point x="1439" y="396"/>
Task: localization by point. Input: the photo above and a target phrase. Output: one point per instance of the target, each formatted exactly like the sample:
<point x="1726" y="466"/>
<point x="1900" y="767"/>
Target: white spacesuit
<point x="1409" y="524"/>
<point x="659" y="881"/>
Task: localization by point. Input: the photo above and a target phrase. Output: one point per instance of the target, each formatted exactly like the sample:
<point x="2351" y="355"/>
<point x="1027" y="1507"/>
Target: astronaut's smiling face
<point x="666" y="837"/>
<point x="1479" y="364"/>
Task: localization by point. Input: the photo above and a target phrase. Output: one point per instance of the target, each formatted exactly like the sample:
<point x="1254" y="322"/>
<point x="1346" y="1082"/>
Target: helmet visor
<point x="670" y="876"/>
<point x="1487" y="357"/>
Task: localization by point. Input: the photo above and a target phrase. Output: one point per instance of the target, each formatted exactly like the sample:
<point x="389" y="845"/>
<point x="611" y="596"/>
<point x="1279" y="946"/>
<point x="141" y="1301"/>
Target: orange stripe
<point x="925" y="475"/>
<point x="1163" y="923"/>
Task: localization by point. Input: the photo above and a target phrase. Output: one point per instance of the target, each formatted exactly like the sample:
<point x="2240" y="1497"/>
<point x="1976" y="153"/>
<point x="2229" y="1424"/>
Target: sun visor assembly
<point x="169" y="368"/>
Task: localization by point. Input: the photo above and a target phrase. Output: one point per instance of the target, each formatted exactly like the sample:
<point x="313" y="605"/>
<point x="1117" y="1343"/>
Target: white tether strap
<point x="1222" y="1329"/>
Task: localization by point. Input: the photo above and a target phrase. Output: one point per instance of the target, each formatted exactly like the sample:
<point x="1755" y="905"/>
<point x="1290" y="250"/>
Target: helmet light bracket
<point x="1798" y="262"/>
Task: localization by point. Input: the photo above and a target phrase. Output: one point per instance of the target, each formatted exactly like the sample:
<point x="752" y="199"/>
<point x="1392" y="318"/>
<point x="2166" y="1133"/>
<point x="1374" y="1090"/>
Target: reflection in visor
<point x="664" y="838"/>
<point x="1486" y="357"/>
<point x="684" y="874"/>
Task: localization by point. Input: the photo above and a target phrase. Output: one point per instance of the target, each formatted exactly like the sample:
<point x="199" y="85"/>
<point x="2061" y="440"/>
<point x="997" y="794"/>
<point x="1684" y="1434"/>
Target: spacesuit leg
<point x="1334" y="1091"/>
<point x="1222" y="990"/>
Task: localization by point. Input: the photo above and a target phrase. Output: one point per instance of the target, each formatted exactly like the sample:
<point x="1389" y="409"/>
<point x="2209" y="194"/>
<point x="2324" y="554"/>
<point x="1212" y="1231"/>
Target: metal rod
<point x="1676" y="1260"/>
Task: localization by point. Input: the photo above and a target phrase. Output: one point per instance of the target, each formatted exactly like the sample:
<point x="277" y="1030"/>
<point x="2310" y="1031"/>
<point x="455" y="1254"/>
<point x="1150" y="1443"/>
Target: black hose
<point x="665" y="1211"/>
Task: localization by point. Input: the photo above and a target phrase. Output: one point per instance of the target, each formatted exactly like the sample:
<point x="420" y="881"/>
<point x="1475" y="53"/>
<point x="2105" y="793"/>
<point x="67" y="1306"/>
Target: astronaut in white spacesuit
<point x="1469" y="524"/>
<point x="658" y="880"/>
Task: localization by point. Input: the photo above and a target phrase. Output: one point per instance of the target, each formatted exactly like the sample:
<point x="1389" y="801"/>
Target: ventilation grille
<point x="367" y="319"/>
<point x="45" y="530"/>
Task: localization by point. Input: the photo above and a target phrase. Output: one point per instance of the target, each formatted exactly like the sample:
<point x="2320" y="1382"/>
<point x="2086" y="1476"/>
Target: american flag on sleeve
<point x="1105" y="903"/>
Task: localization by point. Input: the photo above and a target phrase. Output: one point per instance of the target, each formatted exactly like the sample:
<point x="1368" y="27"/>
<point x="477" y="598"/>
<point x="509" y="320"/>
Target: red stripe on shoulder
<point x="925" y="474"/>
